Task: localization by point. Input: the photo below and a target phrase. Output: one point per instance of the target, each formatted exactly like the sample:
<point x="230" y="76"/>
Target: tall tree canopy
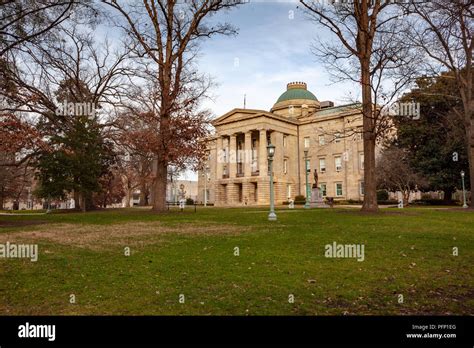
<point x="167" y="35"/>
<point x="367" y="49"/>
<point x="435" y="143"/>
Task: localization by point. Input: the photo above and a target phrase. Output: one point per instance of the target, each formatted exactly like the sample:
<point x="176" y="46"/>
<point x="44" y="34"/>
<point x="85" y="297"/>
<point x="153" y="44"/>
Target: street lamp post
<point x="306" y="170"/>
<point x="205" y="185"/>
<point x="271" y="152"/>
<point x="463" y="190"/>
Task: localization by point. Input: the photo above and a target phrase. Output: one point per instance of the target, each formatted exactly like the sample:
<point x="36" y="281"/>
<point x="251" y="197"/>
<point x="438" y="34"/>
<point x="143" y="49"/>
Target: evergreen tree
<point x="436" y="142"/>
<point x="80" y="155"/>
<point x="79" y="159"/>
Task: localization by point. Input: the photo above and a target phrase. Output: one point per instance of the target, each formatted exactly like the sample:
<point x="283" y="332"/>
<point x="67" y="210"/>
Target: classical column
<point x="220" y="158"/>
<point x="262" y="153"/>
<point x="247" y="155"/>
<point x="277" y="140"/>
<point x="233" y="156"/>
<point x="219" y="170"/>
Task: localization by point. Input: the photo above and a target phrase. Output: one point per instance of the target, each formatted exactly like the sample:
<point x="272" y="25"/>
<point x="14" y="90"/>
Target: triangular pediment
<point x="236" y="115"/>
<point x="245" y="114"/>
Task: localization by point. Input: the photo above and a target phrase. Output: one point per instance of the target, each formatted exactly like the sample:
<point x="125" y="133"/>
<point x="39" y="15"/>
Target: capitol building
<point x="236" y="170"/>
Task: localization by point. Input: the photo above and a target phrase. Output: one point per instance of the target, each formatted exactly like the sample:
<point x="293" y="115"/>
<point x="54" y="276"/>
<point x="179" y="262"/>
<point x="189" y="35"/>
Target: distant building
<point x="178" y="189"/>
<point x="237" y="171"/>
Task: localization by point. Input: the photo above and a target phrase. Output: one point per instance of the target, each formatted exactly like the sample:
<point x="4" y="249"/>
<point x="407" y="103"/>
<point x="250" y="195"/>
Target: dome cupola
<point x="291" y="101"/>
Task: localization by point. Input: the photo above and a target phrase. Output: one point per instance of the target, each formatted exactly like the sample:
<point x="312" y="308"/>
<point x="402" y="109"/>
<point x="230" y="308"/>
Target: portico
<point x="242" y="167"/>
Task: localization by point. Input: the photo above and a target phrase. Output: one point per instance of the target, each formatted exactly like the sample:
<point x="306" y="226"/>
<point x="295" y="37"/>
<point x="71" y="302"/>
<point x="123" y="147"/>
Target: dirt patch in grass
<point x="130" y="234"/>
<point x="381" y="212"/>
<point x="469" y="210"/>
<point x="21" y="223"/>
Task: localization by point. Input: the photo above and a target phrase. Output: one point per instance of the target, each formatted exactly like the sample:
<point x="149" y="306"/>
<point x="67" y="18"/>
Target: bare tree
<point x="167" y="34"/>
<point x="395" y="174"/>
<point x="45" y="78"/>
<point x="131" y="134"/>
<point x="68" y="66"/>
<point x="370" y="52"/>
<point x="443" y="31"/>
<point x="26" y="21"/>
<point x="73" y="62"/>
<point x="14" y="179"/>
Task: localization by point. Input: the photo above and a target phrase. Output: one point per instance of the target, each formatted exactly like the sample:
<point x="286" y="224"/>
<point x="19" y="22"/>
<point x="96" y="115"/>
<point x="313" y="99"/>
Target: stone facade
<point x="237" y="166"/>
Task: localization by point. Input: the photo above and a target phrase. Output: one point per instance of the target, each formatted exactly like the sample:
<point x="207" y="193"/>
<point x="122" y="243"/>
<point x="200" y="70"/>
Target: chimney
<point x="327" y="104"/>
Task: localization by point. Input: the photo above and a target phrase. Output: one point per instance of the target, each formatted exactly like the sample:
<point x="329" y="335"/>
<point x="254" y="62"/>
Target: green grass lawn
<point x="408" y="252"/>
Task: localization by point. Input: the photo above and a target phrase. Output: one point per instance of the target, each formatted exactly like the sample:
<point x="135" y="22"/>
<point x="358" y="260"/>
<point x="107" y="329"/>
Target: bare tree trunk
<point x="470" y="152"/>
<point x="159" y="186"/>
<point x="147" y="193"/>
<point x="406" y="197"/>
<point x="143" y="192"/>
<point x="77" y="200"/>
<point x="370" y="182"/>
<point x="161" y="177"/>
<point x="448" y="193"/>
<point x="83" y="202"/>
<point x="468" y="106"/>
<point x="128" y="196"/>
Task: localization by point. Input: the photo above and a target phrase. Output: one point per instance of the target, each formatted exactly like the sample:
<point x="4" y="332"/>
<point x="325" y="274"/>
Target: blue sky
<point x="273" y="47"/>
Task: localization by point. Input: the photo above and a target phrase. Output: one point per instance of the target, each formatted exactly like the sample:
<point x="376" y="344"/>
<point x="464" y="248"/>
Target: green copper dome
<point x="296" y="90"/>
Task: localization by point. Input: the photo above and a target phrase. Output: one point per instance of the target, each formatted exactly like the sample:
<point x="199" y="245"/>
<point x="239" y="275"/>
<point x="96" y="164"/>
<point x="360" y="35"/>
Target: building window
<point x="288" y="191"/>
<point x="337" y="137"/>
<point x="359" y="135"/>
<point x="323" y="189"/>
<point x="322" y="165"/>
<point x="361" y="188"/>
<point x="338" y="189"/>
<point x="361" y="161"/>
<point x="322" y="140"/>
<point x="240" y="165"/>
<point x="338" y="163"/>
<point x="306" y="142"/>
<point x="240" y="168"/>
<point x="254" y="156"/>
<point x="285" y="166"/>
<point x="284" y="140"/>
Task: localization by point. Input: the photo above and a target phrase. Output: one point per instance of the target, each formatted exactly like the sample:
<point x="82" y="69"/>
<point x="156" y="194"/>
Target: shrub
<point x="425" y="197"/>
<point x="382" y="195"/>
<point x="388" y="202"/>
<point x="354" y="201"/>
<point x="189" y="201"/>
<point x="300" y="199"/>
<point x="431" y="201"/>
